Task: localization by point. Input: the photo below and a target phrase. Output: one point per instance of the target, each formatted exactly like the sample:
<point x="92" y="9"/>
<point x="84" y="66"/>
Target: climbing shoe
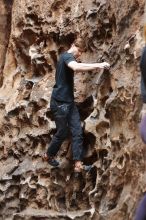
<point x="51" y="161"/>
<point x="87" y="168"/>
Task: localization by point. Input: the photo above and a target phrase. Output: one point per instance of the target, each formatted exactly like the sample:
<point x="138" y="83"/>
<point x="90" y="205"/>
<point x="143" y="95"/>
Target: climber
<point x="62" y="104"/>
<point x="143" y="91"/>
<point x="141" y="210"/>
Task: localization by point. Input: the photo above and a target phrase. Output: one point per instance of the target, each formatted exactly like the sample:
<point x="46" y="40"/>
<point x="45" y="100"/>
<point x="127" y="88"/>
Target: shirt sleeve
<point x="143" y="90"/>
<point x="141" y="210"/>
<point x="68" y="57"/>
<point x="143" y="75"/>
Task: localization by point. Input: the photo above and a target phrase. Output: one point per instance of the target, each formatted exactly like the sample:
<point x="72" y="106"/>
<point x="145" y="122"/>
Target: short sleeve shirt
<point x="141" y="210"/>
<point x="143" y="74"/>
<point x="63" y="89"/>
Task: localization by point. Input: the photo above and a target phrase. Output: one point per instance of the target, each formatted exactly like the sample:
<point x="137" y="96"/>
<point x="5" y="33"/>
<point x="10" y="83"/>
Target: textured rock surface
<point x="33" y="33"/>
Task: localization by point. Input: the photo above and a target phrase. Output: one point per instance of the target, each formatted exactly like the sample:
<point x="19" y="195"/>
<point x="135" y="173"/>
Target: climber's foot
<point x="51" y="160"/>
<point x="79" y="167"/>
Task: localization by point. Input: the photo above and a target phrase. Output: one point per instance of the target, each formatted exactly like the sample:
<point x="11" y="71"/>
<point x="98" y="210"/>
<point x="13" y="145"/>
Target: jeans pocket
<point x="59" y="108"/>
<point x="63" y="109"/>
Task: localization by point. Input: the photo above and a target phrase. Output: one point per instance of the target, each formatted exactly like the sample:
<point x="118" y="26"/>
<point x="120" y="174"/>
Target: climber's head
<point x="78" y="47"/>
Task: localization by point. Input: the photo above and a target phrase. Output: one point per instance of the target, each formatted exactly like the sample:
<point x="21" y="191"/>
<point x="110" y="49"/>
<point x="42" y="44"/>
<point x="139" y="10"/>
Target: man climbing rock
<point x="143" y="91"/>
<point x="63" y="107"/>
<point x="141" y="210"/>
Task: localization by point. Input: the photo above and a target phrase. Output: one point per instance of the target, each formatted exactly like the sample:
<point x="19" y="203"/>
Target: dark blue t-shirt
<point x="63" y="89"/>
<point x="141" y="210"/>
<point x="143" y="75"/>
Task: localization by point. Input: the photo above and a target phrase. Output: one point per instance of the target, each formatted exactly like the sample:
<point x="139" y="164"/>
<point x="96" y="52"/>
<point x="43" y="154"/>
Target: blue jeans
<point x="66" y="117"/>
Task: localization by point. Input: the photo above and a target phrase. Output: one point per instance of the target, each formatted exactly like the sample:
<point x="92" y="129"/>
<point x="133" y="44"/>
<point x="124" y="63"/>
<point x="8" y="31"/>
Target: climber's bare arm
<point x="143" y="111"/>
<point x="77" y="67"/>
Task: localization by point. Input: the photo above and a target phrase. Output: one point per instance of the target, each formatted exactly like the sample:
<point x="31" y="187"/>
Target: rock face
<point x="33" y="34"/>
